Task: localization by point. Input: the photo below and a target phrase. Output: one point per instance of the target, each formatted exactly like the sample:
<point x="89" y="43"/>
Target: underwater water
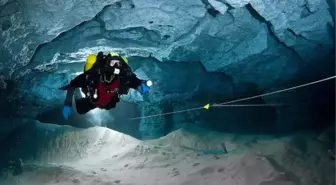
<point x="243" y="93"/>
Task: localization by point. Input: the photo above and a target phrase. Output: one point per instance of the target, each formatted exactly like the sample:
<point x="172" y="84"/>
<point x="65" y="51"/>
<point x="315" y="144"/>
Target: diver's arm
<point x="142" y="86"/>
<point x="79" y="81"/>
<point x="68" y="102"/>
<point x="69" y="95"/>
<point x="134" y="81"/>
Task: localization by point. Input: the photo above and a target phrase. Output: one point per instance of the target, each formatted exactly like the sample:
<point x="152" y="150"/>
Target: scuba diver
<point x="105" y="78"/>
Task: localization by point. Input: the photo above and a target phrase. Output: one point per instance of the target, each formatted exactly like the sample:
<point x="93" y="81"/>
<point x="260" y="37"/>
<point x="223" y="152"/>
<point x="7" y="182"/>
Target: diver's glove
<point x="66" y="111"/>
<point x="145" y="86"/>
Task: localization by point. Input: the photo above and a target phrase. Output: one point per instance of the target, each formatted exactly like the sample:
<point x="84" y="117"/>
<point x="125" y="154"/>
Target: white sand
<point x="99" y="156"/>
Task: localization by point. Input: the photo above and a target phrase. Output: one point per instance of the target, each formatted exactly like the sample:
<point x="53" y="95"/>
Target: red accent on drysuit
<point x="103" y="97"/>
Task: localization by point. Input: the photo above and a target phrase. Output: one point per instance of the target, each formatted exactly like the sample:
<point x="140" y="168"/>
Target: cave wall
<point x="246" y="35"/>
<point x="196" y="52"/>
<point x="27" y="24"/>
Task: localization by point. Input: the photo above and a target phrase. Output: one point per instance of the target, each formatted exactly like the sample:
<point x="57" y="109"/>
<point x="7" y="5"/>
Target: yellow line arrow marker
<point x="207" y="106"/>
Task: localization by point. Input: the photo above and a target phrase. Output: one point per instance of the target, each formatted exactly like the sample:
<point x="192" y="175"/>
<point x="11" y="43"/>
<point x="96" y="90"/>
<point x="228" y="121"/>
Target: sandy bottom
<point x="99" y="156"/>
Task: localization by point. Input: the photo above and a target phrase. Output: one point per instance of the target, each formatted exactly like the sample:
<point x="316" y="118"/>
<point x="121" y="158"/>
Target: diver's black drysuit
<point x="89" y="80"/>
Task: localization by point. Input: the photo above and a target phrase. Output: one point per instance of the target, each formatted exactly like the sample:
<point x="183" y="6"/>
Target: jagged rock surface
<point x="27" y="24"/>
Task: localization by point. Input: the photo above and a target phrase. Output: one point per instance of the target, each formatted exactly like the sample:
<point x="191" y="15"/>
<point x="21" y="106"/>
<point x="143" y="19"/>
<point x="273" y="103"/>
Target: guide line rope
<point x="224" y="104"/>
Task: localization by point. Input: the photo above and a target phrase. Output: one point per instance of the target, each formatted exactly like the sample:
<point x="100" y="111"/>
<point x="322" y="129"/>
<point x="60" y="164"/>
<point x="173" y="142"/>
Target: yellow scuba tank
<point x="90" y="60"/>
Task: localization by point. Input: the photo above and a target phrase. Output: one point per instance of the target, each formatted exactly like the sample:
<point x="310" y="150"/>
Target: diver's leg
<point x="84" y="105"/>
